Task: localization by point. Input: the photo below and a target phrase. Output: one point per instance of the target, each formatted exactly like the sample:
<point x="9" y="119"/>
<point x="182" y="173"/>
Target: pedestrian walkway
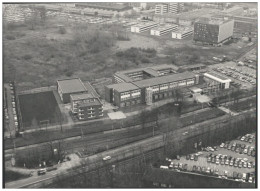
<point x="228" y="111"/>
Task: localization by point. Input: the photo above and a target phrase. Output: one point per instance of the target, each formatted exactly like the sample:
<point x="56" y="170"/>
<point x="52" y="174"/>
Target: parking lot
<point x="240" y="75"/>
<point x="233" y="160"/>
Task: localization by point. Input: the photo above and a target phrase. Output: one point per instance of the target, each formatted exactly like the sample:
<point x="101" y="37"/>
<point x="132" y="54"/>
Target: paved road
<point x="123" y="152"/>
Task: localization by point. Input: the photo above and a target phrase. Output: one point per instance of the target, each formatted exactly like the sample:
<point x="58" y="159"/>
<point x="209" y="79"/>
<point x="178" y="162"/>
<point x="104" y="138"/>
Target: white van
<point x="164" y="167"/>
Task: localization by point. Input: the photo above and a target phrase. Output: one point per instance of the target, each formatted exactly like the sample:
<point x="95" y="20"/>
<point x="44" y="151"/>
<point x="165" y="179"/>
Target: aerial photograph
<point x="129" y="95"/>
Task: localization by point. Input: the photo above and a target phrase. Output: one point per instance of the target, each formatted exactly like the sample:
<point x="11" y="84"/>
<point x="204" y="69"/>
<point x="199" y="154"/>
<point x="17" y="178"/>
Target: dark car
<point x="239" y="176"/>
<point x="41" y="172"/>
<point x="243" y="146"/>
<point x="194" y="168"/>
<point x="198" y="169"/>
<point x="185" y="167"/>
<point x="233" y="148"/>
<point x="234" y="175"/>
<point x="187" y="157"/>
<point x="196" y="158"/>
<point x="246" y="139"/>
<point x="253" y="153"/>
<point x="250" y="140"/>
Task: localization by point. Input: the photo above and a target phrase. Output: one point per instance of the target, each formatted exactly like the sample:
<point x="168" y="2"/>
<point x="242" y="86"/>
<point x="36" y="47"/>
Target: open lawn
<point x="39" y="107"/>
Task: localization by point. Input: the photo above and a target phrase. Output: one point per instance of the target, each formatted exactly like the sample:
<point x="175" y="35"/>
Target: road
<point x="123" y="152"/>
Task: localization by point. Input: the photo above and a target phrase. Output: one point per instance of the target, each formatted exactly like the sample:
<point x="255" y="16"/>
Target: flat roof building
<point x="143" y="73"/>
<point x="66" y="87"/>
<point x="142" y="27"/>
<point x="216" y="79"/>
<point x="182" y="33"/>
<point x="162" y="30"/>
<point x="213" y="31"/>
<point x="148" y="90"/>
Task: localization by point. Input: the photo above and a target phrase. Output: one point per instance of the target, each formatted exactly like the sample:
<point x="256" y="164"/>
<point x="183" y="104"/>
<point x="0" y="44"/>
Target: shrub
<point x="145" y="60"/>
<point x="10" y="37"/>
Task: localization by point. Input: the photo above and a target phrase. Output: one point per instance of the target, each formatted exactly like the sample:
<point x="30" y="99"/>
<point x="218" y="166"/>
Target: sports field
<point x="38" y="108"/>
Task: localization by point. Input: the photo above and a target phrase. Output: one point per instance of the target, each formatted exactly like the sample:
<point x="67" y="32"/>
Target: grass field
<point x="243" y="105"/>
<point x="12" y="176"/>
<point x="38" y="107"/>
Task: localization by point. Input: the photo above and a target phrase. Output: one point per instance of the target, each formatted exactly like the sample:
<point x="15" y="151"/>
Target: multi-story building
<point x="77" y="99"/>
<point x="123" y="94"/>
<point x="173" y="8"/>
<point x="162" y="30"/>
<point x="90" y="110"/>
<point x="66" y="87"/>
<point x="213" y="31"/>
<point x="182" y="33"/>
<point x="161" y="8"/>
<point x="142" y="27"/>
<point x="148" y="90"/>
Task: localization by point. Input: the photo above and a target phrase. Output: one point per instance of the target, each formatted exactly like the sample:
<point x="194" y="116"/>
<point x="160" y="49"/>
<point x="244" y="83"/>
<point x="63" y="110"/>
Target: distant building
<point x="241" y="23"/>
<point x="234" y="11"/>
<point x="173" y="8"/>
<point x="213" y="31"/>
<point x="66" y="87"/>
<point x="161" y="8"/>
<point x="182" y="33"/>
<point x="142" y="27"/>
<point x="162" y="30"/>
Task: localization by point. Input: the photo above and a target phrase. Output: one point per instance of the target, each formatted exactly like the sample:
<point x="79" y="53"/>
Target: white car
<point x="222" y="145"/>
<point x="107" y="158"/>
<point x="243" y="138"/>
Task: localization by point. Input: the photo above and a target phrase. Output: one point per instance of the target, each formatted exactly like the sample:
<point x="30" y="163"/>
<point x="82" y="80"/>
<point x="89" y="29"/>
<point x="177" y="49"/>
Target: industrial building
<point x="182" y="33"/>
<point x="66" y="87"/>
<point x="213" y="31"/>
<point x="142" y="27"/>
<point x="131" y="91"/>
<point x="162" y="30"/>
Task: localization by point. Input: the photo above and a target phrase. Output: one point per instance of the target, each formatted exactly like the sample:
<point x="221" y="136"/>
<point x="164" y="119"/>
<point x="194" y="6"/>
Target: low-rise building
<point x="142" y="27"/>
<point x="182" y="33"/>
<point x="148" y="90"/>
<point x="162" y="30"/>
<point x="216" y="80"/>
<point x="90" y="110"/>
<point x="66" y="87"/>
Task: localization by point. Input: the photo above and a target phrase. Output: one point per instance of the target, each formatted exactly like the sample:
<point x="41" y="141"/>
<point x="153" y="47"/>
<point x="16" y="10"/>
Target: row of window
<point x="128" y="103"/>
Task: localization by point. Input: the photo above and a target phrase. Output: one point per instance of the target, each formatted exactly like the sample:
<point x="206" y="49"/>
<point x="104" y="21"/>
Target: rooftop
<point x="183" y="30"/>
<point x="110" y="6"/>
<point x="193" y="66"/>
<point x="81" y="96"/>
<point x="123" y="87"/>
<point x="152" y="70"/>
<point x="73" y="85"/>
<point x="145" y="24"/>
<point x="216" y="76"/>
<point x="95" y="102"/>
<point x="232" y="9"/>
<point x="160" y="28"/>
<point x="164" y="79"/>
<point x="213" y="21"/>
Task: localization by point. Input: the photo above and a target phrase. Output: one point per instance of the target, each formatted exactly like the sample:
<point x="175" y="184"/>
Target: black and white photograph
<point x="119" y="95"/>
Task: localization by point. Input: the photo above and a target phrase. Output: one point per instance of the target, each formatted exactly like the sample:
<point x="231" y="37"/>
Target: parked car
<point x="187" y="157"/>
<point x="41" y="171"/>
<point x="196" y="158"/>
<point x="107" y="158"/>
<point x="192" y="157"/>
<point x="194" y="168"/>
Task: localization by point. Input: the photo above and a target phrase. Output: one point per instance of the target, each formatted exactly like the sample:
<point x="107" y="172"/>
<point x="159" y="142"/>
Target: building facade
<point x="142" y="27"/>
<point x="173" y="8"/>
<point x="182" y="33"/>
<point x="161" y="9"/>
<point x="90" y="110"/>
<point x="213" y="31"/>
<point x="162" y="30"/>
<point x="148" y="90"/>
